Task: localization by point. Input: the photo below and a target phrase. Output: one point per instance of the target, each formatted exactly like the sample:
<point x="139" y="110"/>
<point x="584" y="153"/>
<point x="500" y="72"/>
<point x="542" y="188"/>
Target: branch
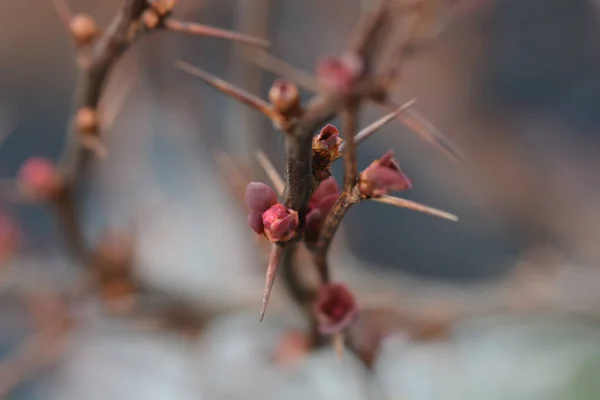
<point x="349" y="123"/>
<point x="330" y="227"/>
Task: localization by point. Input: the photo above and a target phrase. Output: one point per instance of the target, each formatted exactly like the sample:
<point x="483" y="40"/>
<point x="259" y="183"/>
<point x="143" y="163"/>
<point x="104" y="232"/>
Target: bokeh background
<point x="515" y="84"/>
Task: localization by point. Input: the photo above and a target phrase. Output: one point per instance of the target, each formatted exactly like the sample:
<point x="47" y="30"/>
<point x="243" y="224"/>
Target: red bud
<point x="40" y="179"/>
<point x="337" y="74"/>
<point x="256" y="223"/>
<point x="383" y="176"/>
<point x="335" y="308"/>
<point x="280" y="223"/>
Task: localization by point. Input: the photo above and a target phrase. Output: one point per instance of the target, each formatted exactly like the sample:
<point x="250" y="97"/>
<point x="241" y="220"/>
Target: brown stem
<point x="330" y="227"/>
<point x="349" y="124"/>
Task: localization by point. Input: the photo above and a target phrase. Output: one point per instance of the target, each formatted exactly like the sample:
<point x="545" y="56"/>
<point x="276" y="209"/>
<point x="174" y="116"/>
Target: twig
<point x="349" y="127"/>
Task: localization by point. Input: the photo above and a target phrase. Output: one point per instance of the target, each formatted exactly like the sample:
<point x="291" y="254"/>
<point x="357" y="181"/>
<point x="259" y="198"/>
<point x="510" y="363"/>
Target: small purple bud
<point x="312" y="225"/>
<point x="280" y="223"/>
<point x="335" y="308"/>
<point x="256" y="223"/>
<point x="259" y="197"/>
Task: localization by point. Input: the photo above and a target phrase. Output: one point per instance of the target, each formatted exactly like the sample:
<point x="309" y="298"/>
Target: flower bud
<point x="284" y="96"/>
<point x="321" y="198"/>
<point x="280" y="223"/>
<point x="335" y="308"/>
<point x="39" y="179"/>
<point x="260" y="197"/>
<point x="383" y="176"/>
<point x="328" y="139"/>
<point x="84" y="29"/>
<point x="312" y="225"/>
<point x="256" y="223"/>
<point x="338" y="74"/>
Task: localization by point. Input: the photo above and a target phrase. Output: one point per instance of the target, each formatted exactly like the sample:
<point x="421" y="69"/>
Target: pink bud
<point x="259" y="197"/>
<point x="335" y="308"/>
<point x="312" y="225"/>
<point x="383" y="176"/>
<point x="280" y="223"/>
<point x="327" y="188"/>
<point x="337" y="74"/>
<point x="40" y="179"/>
<point x="256" y="223"/>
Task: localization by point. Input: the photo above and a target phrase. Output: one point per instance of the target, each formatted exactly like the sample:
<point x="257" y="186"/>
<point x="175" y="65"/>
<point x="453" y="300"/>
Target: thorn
<point x="422" y="127"/>
<point x="411" y="205"/>
<point x="204" y="30"/>
<point x="339" y="341"/>
<point x="64" y="10"/>
<point x="365" y="133"/>
<point x="277" y="66"/>
<point x="271" y="172"/>
<point x="230" y="90"/>
<point x="276" y="253"/>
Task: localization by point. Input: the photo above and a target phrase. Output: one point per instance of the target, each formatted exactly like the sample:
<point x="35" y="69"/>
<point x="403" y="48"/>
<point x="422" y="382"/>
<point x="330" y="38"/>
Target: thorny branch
<point x="342" y="84"/>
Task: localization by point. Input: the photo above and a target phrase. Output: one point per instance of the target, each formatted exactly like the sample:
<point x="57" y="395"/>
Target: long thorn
<point x="228" y="89"/>
<point x="411" y="205"/>
<point x="64" y="10"/>
<point x="276" y="253"/>
<point x="365" y="133"/>
<point x="271" y="172"/>
<point x="204" y="30"/>
<point x="427" y="131"/>
<point x="339" y="343"/>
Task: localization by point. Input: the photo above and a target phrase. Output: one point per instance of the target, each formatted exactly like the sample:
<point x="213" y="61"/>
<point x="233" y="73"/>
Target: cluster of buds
<point x="269" y="217"/>
<point x="40" y="180"/>
<point x="84" y="29"/>
<point x="338" y="74"/>
<point x="325" y="149"/>
<point x="320" y="204"/>
<point x="382" y="177"/>
<point x="335" y="308"/>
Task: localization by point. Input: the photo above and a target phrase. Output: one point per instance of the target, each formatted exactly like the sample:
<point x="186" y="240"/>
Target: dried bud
<point x="335" y="308"/>
<point x="9" y="237"/>
<point x="280" y="223"/>
<point x="284" y="96"/>
<point x="84" y="29"/>
<point x="383" y="176"/>
<point x="256" y="223"/>
<point x="328" y="139"/>
<point x="338" y="74"/>
<point x="260" y="197"/>
<point x="86" y="120"/>
<point x="39" y="179"/>
<point x="163" y="7"/>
